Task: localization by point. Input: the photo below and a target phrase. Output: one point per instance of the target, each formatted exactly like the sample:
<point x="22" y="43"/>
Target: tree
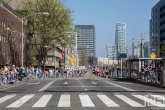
<point x="47" y="30"/>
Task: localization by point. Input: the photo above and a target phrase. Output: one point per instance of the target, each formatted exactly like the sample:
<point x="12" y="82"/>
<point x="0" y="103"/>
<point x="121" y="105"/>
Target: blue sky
<point x="104" y="14"/>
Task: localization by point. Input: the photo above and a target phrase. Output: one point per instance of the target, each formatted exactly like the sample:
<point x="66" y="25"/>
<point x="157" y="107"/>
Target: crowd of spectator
<point x="10" y="74"/>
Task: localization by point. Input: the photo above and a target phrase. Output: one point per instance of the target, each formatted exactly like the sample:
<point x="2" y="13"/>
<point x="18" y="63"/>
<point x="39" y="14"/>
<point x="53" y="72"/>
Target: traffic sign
<point x="73" y="60"/>
<point x="152" y="56"/>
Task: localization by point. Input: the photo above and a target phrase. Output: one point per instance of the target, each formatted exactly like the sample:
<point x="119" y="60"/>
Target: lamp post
<point x="44" y="14"/>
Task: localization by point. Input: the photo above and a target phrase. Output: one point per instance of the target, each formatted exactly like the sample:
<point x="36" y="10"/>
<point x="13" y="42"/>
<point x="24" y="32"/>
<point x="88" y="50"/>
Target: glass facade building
<point x="111" y="52"/>
<point x="120" y="37"/>
<point x="136" y="49"/>
<point x="157" y="27"/>
<point x="86" y="41"/>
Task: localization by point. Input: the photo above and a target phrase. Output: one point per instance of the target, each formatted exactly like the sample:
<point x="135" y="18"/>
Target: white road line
<point x="125" y="83"/>
<point x="20" y="102"/>
<point x="33" y="83"/>
<point x="5" y="98"/>
<point x="148" y="100"/>
<point x="45" y="87"/>
<point x="107" y="101"/>
<point x="129" y="101"/>
<point x="42" y="102"/>
<point x="86" y="101"/>
<point x="121" y="86"/>
<point x="64" y="100"/>
<point x="84" y="86"/>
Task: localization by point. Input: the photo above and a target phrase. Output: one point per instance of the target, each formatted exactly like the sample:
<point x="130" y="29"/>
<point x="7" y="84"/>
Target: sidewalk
<point x="140" y="82"/>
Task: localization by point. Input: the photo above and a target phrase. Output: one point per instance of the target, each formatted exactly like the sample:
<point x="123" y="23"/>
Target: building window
<point x="50" y="58"/>
<point x="12" y="24"/>
<point x="4" y="39"/>
<point x="4" y="24"/>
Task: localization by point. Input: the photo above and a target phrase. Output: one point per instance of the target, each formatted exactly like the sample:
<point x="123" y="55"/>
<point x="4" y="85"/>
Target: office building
<point x="136" y="49"/>
<point x="120" y="37"/>
<point x="147" y="50"/>
<point x="86" y="42"/>
<point x="112" y="52"/>
<point x="157" y="27"/>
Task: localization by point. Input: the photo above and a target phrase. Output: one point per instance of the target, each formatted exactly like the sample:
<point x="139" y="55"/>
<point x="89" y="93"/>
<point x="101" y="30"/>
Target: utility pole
<point x="142" y="49"/>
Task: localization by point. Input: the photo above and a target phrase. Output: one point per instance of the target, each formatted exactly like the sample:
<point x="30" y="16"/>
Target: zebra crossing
<point x="86" y="100"/>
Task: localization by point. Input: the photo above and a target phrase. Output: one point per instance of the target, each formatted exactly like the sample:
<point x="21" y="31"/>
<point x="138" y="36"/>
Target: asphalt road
<point x="81" y="94"/>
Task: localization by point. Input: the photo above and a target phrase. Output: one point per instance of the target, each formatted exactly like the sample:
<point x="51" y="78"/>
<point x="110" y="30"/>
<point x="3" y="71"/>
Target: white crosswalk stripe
<point x="42" y="102"/>
<point x="7" y="97"/>
<point x="149" y="101"/>
<point x="64" y="101"/>
<point x="107" y="101"/>
<point x="86" y="101"/>
<point x="129" y="101"/>
<point x="21" y="101"/>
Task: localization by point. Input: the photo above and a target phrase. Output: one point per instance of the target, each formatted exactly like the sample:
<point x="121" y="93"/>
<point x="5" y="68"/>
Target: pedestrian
<point x="94" y="72"/>
<point x="97" y="72"/>
<point x="159" y="73"/>
<point x="142" y="73"/>
<point x="4" y="78"/>
<point x="106" y="73"/>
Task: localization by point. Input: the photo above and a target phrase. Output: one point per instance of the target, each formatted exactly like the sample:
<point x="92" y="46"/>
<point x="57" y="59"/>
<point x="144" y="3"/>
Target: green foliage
<point x="48" y="29"/>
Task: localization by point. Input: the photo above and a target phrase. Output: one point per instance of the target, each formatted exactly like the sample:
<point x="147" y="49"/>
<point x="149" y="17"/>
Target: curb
<point x="144" y="83"/>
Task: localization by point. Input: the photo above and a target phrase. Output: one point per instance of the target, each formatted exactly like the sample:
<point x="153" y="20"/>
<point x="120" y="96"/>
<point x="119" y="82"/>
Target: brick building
<point x="10" y="36"/>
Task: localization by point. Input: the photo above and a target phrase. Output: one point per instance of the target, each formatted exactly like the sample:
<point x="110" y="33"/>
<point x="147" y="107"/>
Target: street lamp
<point x="46" y="14"/>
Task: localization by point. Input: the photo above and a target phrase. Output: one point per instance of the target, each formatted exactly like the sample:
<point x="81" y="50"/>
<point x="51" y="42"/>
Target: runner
<point x="94" y="72"/>
<point x="106" y="73"/>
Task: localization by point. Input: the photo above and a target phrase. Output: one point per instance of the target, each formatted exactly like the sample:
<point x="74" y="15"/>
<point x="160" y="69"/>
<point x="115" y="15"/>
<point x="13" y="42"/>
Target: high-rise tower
<point x="120" y="37"/>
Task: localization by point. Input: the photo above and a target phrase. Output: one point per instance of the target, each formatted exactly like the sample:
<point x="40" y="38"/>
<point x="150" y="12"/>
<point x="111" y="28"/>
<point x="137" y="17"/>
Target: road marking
<point x="121" y="86"/>
<point x="129" y="101"/>
<point x="160" y="97"/>
<point x="86" y="101"/>
<point x="5" y="98"/>
<point x="66" y="82"/>
<point x="20" y="102"/>
<point x="93" y="82"/>
<point x="42" y="102"/>
<point x="84" y="86"/>
<point x="107" y="101"/>
<point x="33" y="83"/>
<point x="148" y="100"/>
<point x="45" y="87"/>
<point x="64" y="101"/>
<point x="125" y="83"/>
